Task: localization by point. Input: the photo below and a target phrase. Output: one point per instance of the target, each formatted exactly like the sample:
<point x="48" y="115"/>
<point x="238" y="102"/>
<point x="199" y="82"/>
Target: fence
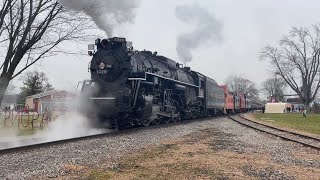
<point x="21" y="119"/>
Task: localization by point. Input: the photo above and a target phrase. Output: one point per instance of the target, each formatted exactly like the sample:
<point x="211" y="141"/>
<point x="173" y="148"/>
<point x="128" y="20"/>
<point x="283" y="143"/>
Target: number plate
<point x="101" y="71"/>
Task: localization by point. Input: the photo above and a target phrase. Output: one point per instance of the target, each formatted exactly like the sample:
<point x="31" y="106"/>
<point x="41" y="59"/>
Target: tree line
<point x="33" y="82"/>
<point x="296" y="60"/>
<point x="33" y="30"/>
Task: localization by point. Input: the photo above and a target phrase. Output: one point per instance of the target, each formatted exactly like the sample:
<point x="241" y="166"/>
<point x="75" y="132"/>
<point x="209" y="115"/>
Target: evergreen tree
<point x="33" y="83"/>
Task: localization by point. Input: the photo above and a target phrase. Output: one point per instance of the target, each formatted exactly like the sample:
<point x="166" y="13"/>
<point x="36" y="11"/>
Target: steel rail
<point x="283" y="130"/>
<point x="50" y="143"/>
<point x="255" y="126"/>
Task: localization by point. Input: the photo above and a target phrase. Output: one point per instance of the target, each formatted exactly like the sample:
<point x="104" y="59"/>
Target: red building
<point x="55" y="100"/>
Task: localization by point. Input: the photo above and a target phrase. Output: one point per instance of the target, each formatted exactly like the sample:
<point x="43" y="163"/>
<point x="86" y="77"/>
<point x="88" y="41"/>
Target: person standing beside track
<point x="25" y="110"/>
<point x="304" y="113"/>
<point x="48" y="114"/>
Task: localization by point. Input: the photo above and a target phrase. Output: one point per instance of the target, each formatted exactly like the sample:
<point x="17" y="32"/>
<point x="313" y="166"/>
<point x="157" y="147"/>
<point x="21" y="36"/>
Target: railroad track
<point x="305" y="140"/>
<point x="34" y="143"/>
<point x="41" y="142"/>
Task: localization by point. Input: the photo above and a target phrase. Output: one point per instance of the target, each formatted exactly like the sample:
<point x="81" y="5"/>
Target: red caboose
<point x="242" y="102"/>
<point x="228" y="100"/>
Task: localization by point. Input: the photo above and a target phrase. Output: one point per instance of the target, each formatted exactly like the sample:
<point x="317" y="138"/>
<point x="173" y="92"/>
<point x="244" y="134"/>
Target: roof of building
<point x="44" y="94"/>
<point x="9" y="99"/>
<point x="294" y="100"/>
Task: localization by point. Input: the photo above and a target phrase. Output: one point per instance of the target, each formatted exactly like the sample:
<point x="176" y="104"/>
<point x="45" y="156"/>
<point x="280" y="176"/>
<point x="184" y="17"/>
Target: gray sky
<point x="248" y="25"/>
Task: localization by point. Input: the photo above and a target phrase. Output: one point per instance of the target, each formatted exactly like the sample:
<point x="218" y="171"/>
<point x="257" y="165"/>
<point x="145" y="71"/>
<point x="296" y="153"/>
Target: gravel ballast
<point x="49" y="162"/>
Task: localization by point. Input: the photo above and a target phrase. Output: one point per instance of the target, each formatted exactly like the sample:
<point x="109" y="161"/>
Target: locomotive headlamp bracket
<point x="91" y="49"/>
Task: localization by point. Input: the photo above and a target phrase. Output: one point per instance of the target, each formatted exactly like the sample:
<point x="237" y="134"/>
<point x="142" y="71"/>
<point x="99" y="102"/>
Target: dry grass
<point x="195" y="157"/>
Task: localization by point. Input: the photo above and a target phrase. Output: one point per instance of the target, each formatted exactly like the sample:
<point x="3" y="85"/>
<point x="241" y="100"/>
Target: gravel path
<point x="49" y="162"/>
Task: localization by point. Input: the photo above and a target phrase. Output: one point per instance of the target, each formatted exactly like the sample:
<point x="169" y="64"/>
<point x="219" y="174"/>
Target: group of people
<point x="298" y="109"/>
<point x="25" y="110"/>
<point x="7" y="108"/>
<point x="288" y="109"/>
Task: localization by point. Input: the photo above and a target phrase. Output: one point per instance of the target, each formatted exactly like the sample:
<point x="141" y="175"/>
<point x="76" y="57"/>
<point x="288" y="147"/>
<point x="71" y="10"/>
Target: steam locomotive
<point x="129" y="88"/>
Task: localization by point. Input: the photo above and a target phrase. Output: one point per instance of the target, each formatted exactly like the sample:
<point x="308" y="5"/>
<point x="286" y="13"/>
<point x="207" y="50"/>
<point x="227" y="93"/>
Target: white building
<point x="277" y="107"/>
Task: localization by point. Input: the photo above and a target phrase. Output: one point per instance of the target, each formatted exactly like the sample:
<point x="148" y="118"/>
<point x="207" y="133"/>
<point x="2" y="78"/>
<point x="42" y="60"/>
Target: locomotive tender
<point x="129" y="87"/>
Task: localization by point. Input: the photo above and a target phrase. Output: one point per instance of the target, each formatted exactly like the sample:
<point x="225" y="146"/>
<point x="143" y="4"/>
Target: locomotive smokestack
<point x="106" y="14"/>
<point x="207" y="30"/>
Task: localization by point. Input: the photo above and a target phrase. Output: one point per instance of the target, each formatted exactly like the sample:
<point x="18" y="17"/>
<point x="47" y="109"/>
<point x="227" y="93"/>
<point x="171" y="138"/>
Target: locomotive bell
<point x="104" y="43"/>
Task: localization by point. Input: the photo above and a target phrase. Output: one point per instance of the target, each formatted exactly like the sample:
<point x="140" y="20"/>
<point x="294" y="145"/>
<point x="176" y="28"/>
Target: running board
<point x="167" y="114"/>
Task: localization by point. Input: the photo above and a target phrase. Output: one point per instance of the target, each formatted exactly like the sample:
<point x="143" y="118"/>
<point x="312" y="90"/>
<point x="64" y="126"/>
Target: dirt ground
<point x="206" y="154"/>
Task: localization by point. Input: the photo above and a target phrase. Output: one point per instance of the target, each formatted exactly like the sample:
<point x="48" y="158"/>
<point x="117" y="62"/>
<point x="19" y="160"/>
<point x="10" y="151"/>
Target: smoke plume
<point x="207" y="30"/>
<point x="70" y="126"/>
<point x="107" y="14"/>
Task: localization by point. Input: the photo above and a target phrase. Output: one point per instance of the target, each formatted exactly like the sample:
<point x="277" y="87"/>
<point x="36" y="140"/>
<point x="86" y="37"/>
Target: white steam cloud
<point x="208" y="30"/>
<point x="70" y="126"/>
<point x="71" y="123"/>
<point x="107" y="14"/>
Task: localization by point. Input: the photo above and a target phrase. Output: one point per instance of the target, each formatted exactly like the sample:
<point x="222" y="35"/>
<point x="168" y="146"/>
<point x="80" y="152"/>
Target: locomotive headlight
<point x="102" y="66"/>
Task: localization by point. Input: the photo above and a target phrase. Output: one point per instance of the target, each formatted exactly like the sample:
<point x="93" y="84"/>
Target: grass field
<point x="311" y="124"/>
<point x="10" y="127"/>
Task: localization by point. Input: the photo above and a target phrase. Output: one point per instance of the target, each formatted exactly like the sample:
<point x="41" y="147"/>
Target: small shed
<point x="55" y="100"/>
<point x="276" y="107"/>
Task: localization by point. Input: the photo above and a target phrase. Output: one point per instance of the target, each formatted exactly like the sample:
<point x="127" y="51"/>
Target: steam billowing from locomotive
<point x="207" y="30"/>
<point x="106" y="14"/>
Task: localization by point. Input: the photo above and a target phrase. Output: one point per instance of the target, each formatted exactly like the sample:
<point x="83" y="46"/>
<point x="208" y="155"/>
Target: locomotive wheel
<point x="174" y="120"/>
<point x="157" y="122"/>
<point x="167" y="120"/>
<point x="145" y="122"/>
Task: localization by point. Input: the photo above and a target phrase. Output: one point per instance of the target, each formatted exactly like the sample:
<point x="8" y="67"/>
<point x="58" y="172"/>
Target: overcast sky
<point x="248" y="25"/>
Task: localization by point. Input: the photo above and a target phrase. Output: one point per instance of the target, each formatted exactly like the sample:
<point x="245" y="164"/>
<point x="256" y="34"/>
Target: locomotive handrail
<point x="181" y="82"/>
<point x="89" y="64"/>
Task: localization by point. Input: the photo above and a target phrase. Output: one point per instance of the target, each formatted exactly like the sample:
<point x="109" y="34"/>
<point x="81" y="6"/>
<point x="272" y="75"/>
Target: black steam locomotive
<point x="130" y="87"/>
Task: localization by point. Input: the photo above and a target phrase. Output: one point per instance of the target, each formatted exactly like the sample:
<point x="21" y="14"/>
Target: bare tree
<point x="32" y="30"/>
<point x="296" y="60"/>
<point x="274" y="88"/>
<point x="10" y="89"/>
<point x="236" y="83"/>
